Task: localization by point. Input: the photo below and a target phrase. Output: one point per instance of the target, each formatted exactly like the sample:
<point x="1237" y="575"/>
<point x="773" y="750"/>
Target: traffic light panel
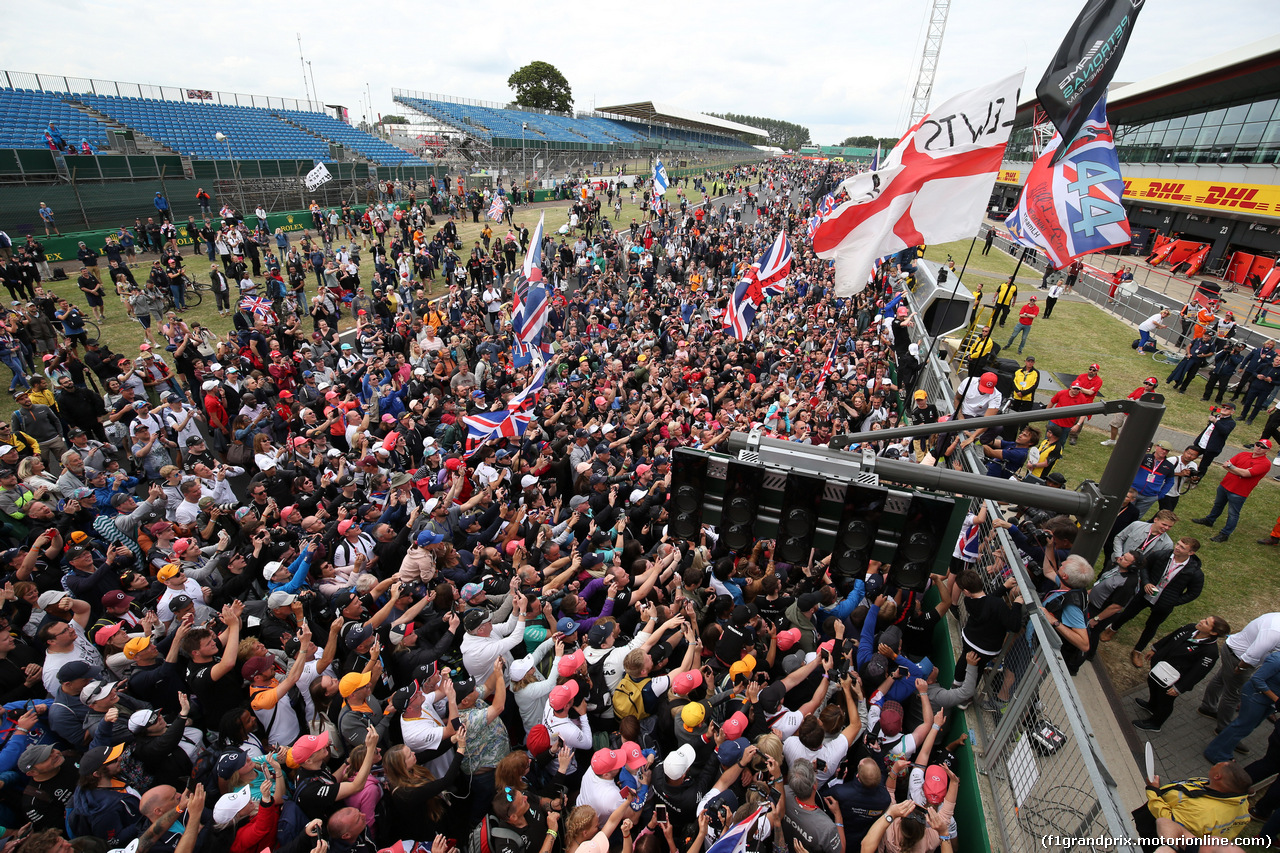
<point x="856" y="534"/>
<point x="741" y="502"/>
<point x="688" y="489"/>
<point x="921" y="544"/>
<point x="798" y="522"/>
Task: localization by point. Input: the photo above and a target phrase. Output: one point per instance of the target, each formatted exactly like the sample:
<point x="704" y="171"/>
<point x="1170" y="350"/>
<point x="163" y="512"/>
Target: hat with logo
<point x="569" y="664"/>
<point x="607" y="761"/>
<point x="562" y="695"/>
<point x="677" y="763"/>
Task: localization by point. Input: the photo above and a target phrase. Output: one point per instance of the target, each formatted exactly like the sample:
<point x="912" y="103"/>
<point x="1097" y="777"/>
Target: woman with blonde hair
<point x="582" y="829"/>
<point x="33" y="474"/>
<point x="414" y="805"/>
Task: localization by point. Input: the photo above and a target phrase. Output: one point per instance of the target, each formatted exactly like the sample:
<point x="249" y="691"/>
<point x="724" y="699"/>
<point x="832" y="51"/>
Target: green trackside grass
<point x="1241" y="579"/>
<point x="124" y="335"/>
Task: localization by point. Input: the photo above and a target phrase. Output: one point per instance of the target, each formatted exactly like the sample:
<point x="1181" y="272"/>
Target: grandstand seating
<point x="25" y="115"/>
<point x="490" y="123"/>
<point x="189" y="128"/>
<point x="325" y="125"/>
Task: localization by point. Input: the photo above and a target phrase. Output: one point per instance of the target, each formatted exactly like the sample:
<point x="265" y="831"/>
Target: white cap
<point x="229" y="805"/>
<point x="528" y="481"/>
<point x="139" y="720"/>
<point x="678" y="763"/>
<point x="269" y="570"/>
<point x="209" y="385"/>
<point x="521" y="668"/>
<point x="265" y="461"/>
<point x="432" y="504"/>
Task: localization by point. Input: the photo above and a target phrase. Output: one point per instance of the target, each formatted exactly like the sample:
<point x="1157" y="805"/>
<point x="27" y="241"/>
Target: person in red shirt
<point x="1117" y="422"/>
<point x="1090" y="386"/>
<point x="1072" y="396"/>
<point x="1026" y="317"/>
<point x="1244" y="472"/>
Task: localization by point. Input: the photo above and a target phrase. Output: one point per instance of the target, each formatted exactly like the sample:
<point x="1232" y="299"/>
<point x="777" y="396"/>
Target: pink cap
<point x="735" y="726"/>
<point x="686" y="682"/>
<point x="607" y="761"/>
<point x="563" y="695"/>
<point x="569" y="664"/>
<point x="788" y="638"/>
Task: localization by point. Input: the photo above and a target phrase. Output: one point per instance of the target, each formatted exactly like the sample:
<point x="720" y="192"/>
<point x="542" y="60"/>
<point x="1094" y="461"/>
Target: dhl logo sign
<point x="1206" y="194"/>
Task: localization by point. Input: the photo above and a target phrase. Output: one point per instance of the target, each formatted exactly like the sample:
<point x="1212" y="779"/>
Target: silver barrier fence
<point x="85" y="85"/>
<point x="1032" y="738"/>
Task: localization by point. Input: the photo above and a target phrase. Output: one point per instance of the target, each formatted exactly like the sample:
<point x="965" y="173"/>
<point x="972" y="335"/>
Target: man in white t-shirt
<point x="66" y="642"/>
<point x="979" y="397"/>
<point x="809" y="741"/>
<point x="1148" y="327"/>
<point x="176" y="583"/>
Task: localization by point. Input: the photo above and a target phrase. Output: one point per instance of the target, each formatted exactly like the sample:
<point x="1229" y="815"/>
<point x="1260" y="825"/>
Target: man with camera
<point x="1213" y="437"/>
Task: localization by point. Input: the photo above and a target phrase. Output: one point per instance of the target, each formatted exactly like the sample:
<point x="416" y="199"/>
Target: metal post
<point x="164" y="188"/>
<point x="76" y="189"/>
<point x="1126" y="457"/>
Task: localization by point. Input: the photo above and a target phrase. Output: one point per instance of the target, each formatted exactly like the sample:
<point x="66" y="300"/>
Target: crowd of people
<point x="272" y="596"/>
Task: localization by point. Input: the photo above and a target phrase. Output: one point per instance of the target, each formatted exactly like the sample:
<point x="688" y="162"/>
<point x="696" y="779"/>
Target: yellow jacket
<point x="978" y="347"/>
<point x="1024" y="384"/>
<point x="1202" y="810"/>
<point x="1006" y="293"/>
<point x="44" y="398"/>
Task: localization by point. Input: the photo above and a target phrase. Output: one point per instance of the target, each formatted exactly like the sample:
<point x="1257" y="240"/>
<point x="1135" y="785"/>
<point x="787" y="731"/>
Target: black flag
<point x="823" y="187"/>
<point x="1085" y="62"/>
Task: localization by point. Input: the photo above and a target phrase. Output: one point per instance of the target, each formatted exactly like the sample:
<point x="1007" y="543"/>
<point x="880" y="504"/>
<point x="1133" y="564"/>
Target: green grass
<point x="1240" y="581"/>
<point x="124" y="335"/>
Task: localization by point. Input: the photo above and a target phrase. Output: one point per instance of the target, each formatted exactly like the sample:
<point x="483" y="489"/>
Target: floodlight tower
<point x="929" y="60"/>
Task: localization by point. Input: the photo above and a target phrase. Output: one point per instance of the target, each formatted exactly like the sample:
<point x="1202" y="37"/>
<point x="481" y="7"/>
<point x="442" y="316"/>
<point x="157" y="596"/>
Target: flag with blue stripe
<point x="660" y="180"/>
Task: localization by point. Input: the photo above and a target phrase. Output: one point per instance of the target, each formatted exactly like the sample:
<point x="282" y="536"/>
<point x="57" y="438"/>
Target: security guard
<point x="1006" y="296"/>
<point x="1025" y="381"/>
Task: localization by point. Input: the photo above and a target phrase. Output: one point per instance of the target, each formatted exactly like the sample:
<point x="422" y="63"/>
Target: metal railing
<point x="1032" y="738"/>
<point x="1138" y="301"/>
<point x="86" y="85"/>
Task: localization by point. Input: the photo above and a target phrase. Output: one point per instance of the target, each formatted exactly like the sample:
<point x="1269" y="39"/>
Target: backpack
<point x="482" y="837"/>
<point x="599" y="699"/>
<point x="630" y="700"/>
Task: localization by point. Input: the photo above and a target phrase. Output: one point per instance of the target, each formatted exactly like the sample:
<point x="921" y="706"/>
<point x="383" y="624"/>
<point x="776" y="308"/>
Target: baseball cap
<point x="692" y="715"/>
<point x="608" y="760"/>
<point x="353" y="681"/>
<point x="269" y="570"/>
<point x="600" y="632"/>
<point x="471" y="590"/>
<point x="891" y="718"/>
<point x="280" y="598"/>
<point x="562" y="696"/>
<point x="51" y="597"/>
<point x="307" y="746"/>
<point x="142" y="720"/>
<point x="808" y="601"/>
<point x="730" y="751"/>
<point x="135" y="647"/>
<point x="96" y="691"/>
<point x="230" y="804"/>
<point x="104" y="634"/>
<point x="94" y="760"/>
<point x="1163" y="444"/>
<point x="788" y="638"/>
<point x="920" y="395"/>
<point x="168" y="570"/>
<point x="677" y="764"/>
<point x="474" y="618"/>
<point x="520" y="668"/>
<point x="746" y="666"/>
<point x="987" y="383"/>
<point x="179" y="602"/>
<point x="399" y="632"/>
<point x="771" y="697"/>
<point x="686" y="682"/>
<point x="634" y="755"/>
<point x="429" y="537"/>
<point x="569" y="664"/>
<point x="357" y="635"/>
<point x="257" y="665"/>
<point x="35" y="754"/>
<point x="735" y="725"/>
<point x="566" y="626"/>
<point x="1264" y="443"/>
<point x="230" y="762"/>
<point x="935" y="784"/>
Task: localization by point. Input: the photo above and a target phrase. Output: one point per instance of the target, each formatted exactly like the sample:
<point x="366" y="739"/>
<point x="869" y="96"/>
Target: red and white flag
<point x="933" y="187"/>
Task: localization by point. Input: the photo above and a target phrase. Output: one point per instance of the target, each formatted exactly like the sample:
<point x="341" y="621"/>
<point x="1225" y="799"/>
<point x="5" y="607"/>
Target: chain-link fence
<point x="1033" y="740"/>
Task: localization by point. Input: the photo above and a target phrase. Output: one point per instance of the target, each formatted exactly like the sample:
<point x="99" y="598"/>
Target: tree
<point x="868" y="141"/>
<point x="782" y="134"/>
<point x="394" y="120"/>
<point x="540" y="85"/>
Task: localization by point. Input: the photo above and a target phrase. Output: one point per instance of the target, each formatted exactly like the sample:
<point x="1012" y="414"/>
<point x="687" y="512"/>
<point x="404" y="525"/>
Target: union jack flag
<point x="811" y="229"/>
<point x="527" y="325"/>
<point x="741" y="314"/>
<point x="496" y="207"/>
<point x="532" y="261"/>
<point x="1071" y="208"/>
<point x="257" y="305"/>
<point x="735" y="838"/>
<point x="510" y="422"/>
<point x="828" y="205"/>
<point x="828" y="367"/>
<point x="774" y="266"/>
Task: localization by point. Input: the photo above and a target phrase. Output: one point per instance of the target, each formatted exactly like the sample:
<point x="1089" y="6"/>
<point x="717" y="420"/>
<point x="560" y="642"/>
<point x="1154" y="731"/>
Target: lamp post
<point x="524" y="172"/>
<point x="235" y="169"/>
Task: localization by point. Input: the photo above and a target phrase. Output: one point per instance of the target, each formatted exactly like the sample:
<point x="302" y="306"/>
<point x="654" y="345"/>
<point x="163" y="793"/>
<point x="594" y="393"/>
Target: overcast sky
<point x="840" y="68"/>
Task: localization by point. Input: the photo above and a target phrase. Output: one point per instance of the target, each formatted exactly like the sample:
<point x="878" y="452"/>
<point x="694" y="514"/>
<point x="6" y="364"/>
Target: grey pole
<point x="1126" y="457"/>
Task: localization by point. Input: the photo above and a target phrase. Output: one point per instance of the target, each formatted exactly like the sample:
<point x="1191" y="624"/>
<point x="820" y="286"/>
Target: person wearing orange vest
<point x="1205" y="318"/>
